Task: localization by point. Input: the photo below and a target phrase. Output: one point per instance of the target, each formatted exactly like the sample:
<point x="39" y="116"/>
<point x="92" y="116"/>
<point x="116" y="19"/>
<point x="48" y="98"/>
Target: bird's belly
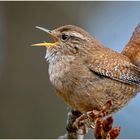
<point x="92" y="96"/>
<point x="85" y="91"/>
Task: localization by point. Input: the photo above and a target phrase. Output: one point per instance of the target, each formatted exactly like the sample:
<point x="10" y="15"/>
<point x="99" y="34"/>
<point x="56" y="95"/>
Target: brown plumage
<point x="85" y="74"/>
<point x="132" y="49"/>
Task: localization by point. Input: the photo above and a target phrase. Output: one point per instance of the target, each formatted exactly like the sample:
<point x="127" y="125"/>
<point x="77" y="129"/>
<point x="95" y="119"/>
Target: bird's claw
<point x="102" y="128"/>
<point x="80" y="124"/>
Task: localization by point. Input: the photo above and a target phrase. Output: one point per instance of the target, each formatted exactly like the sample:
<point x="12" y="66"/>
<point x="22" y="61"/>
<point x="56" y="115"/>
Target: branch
<point x="72" y="131"/>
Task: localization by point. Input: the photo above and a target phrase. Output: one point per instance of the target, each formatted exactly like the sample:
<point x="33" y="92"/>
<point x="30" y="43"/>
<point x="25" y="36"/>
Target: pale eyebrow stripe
<point x="78" y="35"/>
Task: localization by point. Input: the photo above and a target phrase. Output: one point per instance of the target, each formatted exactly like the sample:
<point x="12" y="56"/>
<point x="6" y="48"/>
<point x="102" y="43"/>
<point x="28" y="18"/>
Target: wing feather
<point x="114" y="65"/>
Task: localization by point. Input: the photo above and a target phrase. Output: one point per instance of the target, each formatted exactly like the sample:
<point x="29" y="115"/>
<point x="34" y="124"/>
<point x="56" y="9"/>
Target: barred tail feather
<point x="132" y="49"/>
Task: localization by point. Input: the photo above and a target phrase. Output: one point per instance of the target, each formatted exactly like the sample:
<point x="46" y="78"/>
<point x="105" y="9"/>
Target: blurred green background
<point x="28" y="105"/>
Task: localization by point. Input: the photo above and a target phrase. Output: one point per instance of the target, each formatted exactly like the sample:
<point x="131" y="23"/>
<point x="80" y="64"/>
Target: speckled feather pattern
<point x="116" y="66"/>
<point x="85" y="74"/>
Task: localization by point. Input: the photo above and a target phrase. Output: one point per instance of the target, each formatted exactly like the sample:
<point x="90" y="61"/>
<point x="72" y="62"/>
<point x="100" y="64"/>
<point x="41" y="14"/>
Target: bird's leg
<point x="91" y="116"/>
<point x="102" y="128"/>
<point x="94" y="114"/>
<point x="80" y="124"/>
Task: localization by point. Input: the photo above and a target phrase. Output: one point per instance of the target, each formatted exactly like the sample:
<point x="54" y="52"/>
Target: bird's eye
<point x="64" y="37"/>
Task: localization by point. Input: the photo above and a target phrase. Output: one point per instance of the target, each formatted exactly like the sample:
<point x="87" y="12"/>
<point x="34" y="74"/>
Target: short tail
<point x="132" y="49"/>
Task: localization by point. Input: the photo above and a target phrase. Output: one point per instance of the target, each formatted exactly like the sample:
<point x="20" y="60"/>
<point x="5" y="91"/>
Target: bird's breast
<point x="60" y="73"/>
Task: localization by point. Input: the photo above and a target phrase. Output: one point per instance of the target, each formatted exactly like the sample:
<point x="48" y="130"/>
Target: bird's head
<point x="68" y="40"/>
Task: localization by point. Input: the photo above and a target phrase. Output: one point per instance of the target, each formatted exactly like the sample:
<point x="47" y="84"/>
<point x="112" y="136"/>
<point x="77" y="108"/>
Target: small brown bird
<point x="85" y="74"/>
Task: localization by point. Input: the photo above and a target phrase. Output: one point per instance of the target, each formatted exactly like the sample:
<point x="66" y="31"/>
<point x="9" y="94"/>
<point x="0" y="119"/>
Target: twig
<point x="72" y="131"/>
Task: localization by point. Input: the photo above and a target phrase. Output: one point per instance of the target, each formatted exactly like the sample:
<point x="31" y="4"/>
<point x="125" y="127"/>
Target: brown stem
<point x="72" y="132"/>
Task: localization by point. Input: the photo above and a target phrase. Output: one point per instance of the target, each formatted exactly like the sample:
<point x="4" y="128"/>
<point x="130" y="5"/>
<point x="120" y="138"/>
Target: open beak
<point x="45" y="44"/>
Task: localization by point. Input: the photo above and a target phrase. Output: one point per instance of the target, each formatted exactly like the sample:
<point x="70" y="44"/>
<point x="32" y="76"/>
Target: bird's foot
<point x="80" y="124"/>
<point x="91" y="116"/>
<point x="102" y="128"/>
